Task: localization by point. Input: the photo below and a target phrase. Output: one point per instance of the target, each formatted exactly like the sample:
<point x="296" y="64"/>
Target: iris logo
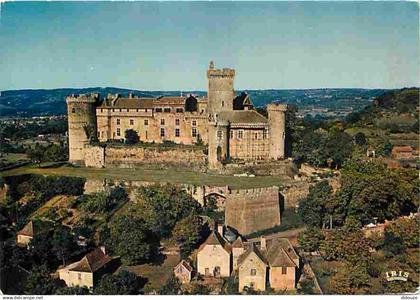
<point x="397" y="276"/>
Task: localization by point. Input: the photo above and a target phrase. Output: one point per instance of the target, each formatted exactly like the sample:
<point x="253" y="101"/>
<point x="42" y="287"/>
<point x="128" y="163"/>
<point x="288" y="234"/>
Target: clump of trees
<point x="320" y="147"/>
<point x="368" y="190"/>
<point x="102" y="202"/>
<point x="48" y="153"/>
<point x="162" y="207"/>
<point x="122" y="283"/>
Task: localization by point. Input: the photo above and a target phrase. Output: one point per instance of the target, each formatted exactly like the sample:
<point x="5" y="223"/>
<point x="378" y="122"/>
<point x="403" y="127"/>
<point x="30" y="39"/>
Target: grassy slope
<point x="148" y="173"/>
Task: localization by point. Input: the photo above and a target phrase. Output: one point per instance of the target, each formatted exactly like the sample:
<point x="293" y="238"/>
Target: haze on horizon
<point x="168" y="45"/>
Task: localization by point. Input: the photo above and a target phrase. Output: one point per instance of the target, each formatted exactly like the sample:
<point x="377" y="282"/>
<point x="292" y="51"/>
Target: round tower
<point x="218" y="143"/>
<point x="81" y="113"/>
<point x="220" y="92"/>
<point x="277" y="130"/>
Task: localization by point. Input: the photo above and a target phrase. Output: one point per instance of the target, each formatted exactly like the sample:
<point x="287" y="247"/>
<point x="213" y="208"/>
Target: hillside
<point x="52" y="102"/>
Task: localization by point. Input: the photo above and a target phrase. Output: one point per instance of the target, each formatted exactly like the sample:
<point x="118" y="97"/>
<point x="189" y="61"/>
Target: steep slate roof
<point x="238" y="243"/>
<point x="129" y="103"/>
<point x="242" y="117"/>
<point x="170" y="100"/>
<point x="281" y="253"/>
<point x="252" y="249"/>
<point x="215" y="239"/>
<point x="92" y="261"/>
<point x="185" y="264"/>
<point x="33" y="227"/>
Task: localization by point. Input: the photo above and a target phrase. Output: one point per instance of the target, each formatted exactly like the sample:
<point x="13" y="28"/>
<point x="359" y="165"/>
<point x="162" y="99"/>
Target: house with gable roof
<point x="277" y="256"/>
<point x="89" y="270"/>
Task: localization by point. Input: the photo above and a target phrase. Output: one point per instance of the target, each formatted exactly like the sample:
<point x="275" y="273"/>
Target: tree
<point x="122" y="283"/>
<point x="131" y="137"/>
<point x="171" y="287"/>
<point x="310" y="239"/>
<point x="200" y="289"/>
<point x="39" y="282"/>
<point x="73" y="290"/>
<point x="406" y="229"/>
<point x="129" y="238"/>
<point x="360" y="139"/>
<point x="313" y="209"/>
<point x="63" y="243"/>
<point x="340" y="284"/>
<point x="36" y="154"/>
<point x="188" y="233"/>
<point x="370" y="190"/>
<point x="162" y="207"/>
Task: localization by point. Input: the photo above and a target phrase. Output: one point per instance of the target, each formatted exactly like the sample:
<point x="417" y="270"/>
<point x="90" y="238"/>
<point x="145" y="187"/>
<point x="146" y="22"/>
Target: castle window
<point x="162" y="121"/>
<point x="158" y="109"/>
<point x="223" y="103"/>
<point x="102" y="110"/>
<point x="283" y="270"/>
<point x="253" y="272"/>
<point x="131" y="122"/>
<point x="179" y="110"/>
<point x="146" y="135"/>
<point x="194" y="123"/>
<point x="118" y="121"/>
<point x="231" y="134"/>
<point x="79" y="276"/>
<point x="167" y="109"/>
<point x="162" y="132"/>
<point x="194" y="132"/>
<point x="256" y="135"/>
<point x="113" y="110"/>
<point x="118" y="132"/>
<point x="128" y="110"/>
<point x="120" y="110"/>
<point x="177" y="122"/>
<point x="146" y="122"/>
<point x="264" y="134"/>
<point x="219" y="134"/>
<point x="137" y="110"/>
<point x="240" y="134"/>
<point x="73" y="110"/>
<point x="177" y="132"/>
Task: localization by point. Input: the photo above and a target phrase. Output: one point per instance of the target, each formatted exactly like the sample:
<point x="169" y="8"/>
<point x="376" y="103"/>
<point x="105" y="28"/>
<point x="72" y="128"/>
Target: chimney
<point x="103" y="249"/>
<point x="263" y="243"/>
<point x="220" y="229"/>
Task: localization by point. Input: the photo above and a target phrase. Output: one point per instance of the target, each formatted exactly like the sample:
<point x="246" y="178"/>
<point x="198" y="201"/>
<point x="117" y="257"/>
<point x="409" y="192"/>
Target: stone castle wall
<point x="253" y="210"/>
<point x="130" y="156"/>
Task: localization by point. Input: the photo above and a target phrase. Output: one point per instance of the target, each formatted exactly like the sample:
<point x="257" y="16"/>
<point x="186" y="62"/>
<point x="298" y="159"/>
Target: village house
<point x="218" y="255"/>
<point x="275" y="255"/>
<point x="89" y="270"/>
<point x="183" y="271"/>
<point x="403" y="152"/>
<point x="214" y="257"/>
<point x="27" y="233"/>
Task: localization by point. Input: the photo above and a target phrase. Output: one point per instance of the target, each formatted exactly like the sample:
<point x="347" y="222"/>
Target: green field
<point x="151" y="174"/>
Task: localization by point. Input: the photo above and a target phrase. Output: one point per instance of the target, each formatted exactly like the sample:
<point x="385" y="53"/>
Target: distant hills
<point x="52" y="102"/>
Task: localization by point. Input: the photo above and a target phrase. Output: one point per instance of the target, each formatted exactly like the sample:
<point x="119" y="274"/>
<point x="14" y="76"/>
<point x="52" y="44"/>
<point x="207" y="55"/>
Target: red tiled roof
<point x="92" y="261"/>
<point x="184" y="264"/>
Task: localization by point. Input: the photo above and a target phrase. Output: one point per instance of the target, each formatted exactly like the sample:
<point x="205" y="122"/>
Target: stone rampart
<point x="131" y="156"/>
<point x="252" y="210"/>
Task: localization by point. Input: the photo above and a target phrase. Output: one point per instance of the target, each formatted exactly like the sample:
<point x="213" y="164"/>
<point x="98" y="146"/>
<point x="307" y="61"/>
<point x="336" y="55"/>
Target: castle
<point x="225" y="121"/>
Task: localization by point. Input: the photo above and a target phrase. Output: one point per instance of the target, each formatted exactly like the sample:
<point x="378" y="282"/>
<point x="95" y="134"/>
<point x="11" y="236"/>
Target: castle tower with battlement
<point x="81" y="112"/>
<point x="277" y="130"/>
<point x="220" y="93"/>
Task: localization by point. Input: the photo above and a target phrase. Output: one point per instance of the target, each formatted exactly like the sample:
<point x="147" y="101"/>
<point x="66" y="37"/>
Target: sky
<point x="168" y="45"/>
